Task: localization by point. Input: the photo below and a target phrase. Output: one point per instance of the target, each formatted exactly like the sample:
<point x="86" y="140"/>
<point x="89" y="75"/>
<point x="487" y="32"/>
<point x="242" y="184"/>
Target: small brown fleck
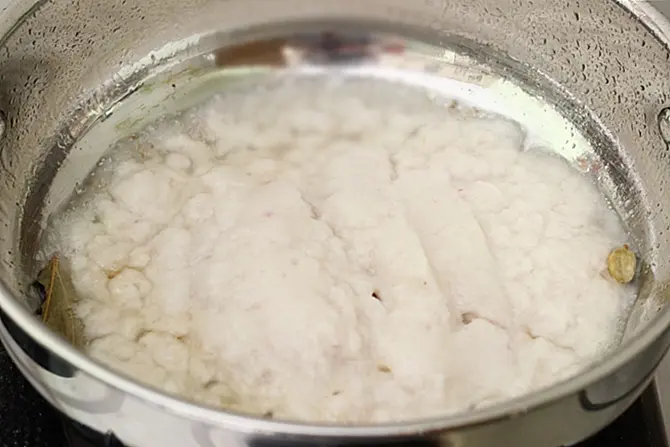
<point x="113" y="273"/>
<point x="141" y="335"/>
<point x="383" y="368"/>
<point x="468" y="317"/>
<point x="376" y="295"/>
<point x="211" y="384"/>
<point x="337" y="392"/>
<point x="268" y="414"/>
<point x="530" y="334"/>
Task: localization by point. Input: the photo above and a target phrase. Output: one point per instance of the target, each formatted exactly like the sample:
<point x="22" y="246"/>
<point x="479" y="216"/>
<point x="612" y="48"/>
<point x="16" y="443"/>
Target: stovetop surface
<point x="26" y="420"/>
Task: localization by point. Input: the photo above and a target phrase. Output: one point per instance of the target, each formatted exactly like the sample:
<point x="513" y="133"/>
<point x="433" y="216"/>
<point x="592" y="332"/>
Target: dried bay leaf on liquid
<point x="60" y="297"/>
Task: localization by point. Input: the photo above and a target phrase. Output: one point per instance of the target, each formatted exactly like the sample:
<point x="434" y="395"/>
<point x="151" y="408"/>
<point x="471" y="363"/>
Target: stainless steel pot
<point x="67" y="65"/>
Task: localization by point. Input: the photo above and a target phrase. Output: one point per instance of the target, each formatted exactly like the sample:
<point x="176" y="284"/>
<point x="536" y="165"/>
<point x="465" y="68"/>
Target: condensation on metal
<point x="592" y="59"/>
<point x="664" y="125"/>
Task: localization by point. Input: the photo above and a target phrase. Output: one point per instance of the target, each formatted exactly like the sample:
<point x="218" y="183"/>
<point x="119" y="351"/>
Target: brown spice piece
<point x="467" y="317"/>
<point x="383" y="368"/>
<point x="111" y="274"/>
<point x="264" y="52"/>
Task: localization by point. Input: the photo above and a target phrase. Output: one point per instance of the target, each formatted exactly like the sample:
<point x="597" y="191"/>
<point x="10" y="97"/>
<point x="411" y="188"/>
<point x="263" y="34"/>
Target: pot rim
<point x="657" y="23"/>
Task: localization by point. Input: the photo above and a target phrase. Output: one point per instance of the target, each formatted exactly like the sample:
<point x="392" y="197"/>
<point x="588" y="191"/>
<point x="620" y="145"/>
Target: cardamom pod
<point x="622" y="264"/>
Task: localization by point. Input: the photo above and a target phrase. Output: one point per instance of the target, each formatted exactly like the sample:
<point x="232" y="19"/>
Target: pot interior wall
<point x="66" y="64"/>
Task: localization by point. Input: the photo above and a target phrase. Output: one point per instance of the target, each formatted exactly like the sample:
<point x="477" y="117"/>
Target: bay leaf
<point x="60" y="297"/>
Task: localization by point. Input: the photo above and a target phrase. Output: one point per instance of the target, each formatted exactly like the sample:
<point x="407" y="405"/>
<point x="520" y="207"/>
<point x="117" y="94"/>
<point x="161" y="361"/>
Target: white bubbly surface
<point x="350" y="252"/>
